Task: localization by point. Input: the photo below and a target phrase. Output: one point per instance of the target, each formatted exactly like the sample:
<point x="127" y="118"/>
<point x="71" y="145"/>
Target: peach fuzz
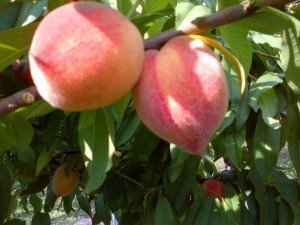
<point x="182" y="93"/>
<point x="85" y="55"/>
<point x="64" y="184"/>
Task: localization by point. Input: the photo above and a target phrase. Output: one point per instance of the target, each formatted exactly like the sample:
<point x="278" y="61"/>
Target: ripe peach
<point x="85" y="55"/>
<point x="214" y="189"/>
<point x="63" y="184"/>
<point x="182" y="93"/>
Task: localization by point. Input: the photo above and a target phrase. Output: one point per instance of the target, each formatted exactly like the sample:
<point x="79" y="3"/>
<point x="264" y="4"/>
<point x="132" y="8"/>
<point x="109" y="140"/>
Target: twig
<point x="19" y="99"/>
<point x="130" y="179"/>
<point x="201" y="24"/>
<point x="266" y="55"/>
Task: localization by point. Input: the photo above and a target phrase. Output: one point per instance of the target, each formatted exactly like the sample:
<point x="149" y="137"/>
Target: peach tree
<point x="195" y="135"/>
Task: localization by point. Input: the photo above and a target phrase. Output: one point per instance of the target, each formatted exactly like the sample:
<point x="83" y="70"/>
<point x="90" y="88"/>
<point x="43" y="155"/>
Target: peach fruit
<point x="182" y="94"/>
<point x="63" y="184"/>
<point x="85" y="55"/>
<point x="214" y="189"/>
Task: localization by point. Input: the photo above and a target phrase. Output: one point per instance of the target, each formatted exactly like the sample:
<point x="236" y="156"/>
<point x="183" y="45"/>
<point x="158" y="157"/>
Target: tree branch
<point x="201" y="24"/>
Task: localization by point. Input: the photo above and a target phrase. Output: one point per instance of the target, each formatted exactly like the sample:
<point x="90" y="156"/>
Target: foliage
<point x="127" y="170"/>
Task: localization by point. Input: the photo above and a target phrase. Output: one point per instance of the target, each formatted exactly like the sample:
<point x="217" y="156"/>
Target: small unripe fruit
<point x="64" y="184"/>
<point x="214" y="189"/>
<point x="85" y="55"/>
<point x="182" y="94"/>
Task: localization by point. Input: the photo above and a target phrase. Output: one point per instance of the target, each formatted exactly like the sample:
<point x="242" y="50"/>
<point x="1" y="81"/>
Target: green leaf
<point x="286" y="216"/>
<point x="97" y="149"/>
<point x="266" y="147"/>
<point x="186" y="14"/>
<point x="177" y="164"/>
<point x="181" y="11"/>
<point x="199" y="212"/>
<point x="268" y="103"/>
<point x="39" y="108"/>
<point x="242" y="110"/>
<point x="15" y="43"/>
<point x="26" y="155"/>
<point x="127" y="129"/>
<point x="293" y="136"/>
<point x="263" y="83"/>
<point x="35" y="202"/>
<point x="228" y="119"/>
<point x="15" y="222"/>
<point x="50" y="199"/>
<point x="102" y="212"/>
<point x="86" y="119"/>
<point x="144" y="142"/>
<point x="44" y="158"/>
<point x="5" y="190"/>
<point x="67" y="201"/>
<point x="153" y="6"/>
<point x="263" y="21"/>
<point x="290" y="55"/>
<point x="40" y="219"/>
<point x="37" y="185"/>
<point x="288" y="191"/>
<point x="237" y="38"/>
<point x="119" y="107"/>
<point x="234" y="147"/>
<point x="164" y="213"/>
<point x="149" y="213"/>
<point x="9" y="14"/>
<point x="30" y="11"/>
<point x="185" y="182"/>
<point x="83" y="203"/>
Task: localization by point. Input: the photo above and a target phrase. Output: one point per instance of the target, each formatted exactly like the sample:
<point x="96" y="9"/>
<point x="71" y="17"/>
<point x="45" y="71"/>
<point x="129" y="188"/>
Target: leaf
<point x="290" y="55"/>
<point x="263" y="21"/>
<point x="83" y="203"/>
<point x="185" y="182"/>
<point x="288" y="191"/>
<point x="293" y="137"/>
<point x="35" y="202"/>
<point x="228" y="119"/>
<point x="26" y="155"/>
<point x="286" y="216"/>
<point x="15" y="222"/>
<point x="5" y="190"/>
<point x="39" y="108"/>
<point x="242" y="110"/>
<point x="164" y="213"/>
<point x="97" y="150"/>
<point x="186" y="13"/>
<point x="199" y="212"/>
<point x="9" y="14"/>
<point x="40" y="219"/>
<point x="86" y="119"/>
<point x="237" y="38"/>
<point x="102" y="213"/>
<point x="181" y="11"/>
<point x="266" y="147"/>
<point x="119" y="107"/>
<point x="14" y="43"/>
<point x="50" y="199"/>
<point x="37" y="185"/>
<point x="44" y="158"/>
<point x="263" y="83"/>
<point x="177" y="164"/>
<point x="268" y="103"/>
<point x="234" y="147"/>
<point x="144" y="142"/>
<point x="30" y="11"/>
<point x="127" y="129"/>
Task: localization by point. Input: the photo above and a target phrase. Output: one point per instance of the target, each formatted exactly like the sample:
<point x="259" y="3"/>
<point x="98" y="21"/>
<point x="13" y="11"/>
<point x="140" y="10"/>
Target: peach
<point x="182" y="93"/>
<point x="214" y="189"/>
<point x="85" y="55"/>
<point x="64" y="184"/>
